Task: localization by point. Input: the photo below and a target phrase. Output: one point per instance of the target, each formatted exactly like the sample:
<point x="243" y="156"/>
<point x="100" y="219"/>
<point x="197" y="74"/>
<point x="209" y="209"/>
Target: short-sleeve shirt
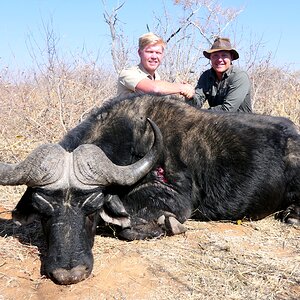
<point x="232" y="93"/>
<point x="130" y="77"/>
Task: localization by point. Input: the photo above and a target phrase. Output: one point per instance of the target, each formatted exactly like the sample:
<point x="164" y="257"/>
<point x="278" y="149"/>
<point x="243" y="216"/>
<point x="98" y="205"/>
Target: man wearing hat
<point x="225" y="86"/>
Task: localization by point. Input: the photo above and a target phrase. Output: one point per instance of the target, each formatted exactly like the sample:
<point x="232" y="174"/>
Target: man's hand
<point x="187" y="90"/>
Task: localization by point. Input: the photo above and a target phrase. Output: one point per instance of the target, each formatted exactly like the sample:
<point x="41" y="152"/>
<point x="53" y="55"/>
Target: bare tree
<point x="187" y="35"/>
<point x="196" y="24"/>
<point x="119" y="52"/>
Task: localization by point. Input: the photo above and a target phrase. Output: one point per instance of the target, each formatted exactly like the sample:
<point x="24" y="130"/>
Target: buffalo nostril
<point x="65" y="277"/>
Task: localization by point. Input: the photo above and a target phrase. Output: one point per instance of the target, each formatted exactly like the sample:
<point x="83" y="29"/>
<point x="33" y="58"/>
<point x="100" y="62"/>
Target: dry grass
<point x="276" y="92"/>
<point x="42" y="109"/>
<point x="258" y="260"/>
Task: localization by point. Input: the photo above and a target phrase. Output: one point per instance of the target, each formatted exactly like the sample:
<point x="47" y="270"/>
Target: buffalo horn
<point x="93" y="167"/>
<point x="42" y="166"/>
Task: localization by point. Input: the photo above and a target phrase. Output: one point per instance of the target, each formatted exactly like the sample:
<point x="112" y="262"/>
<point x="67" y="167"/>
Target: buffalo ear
<point x="114" y="212"/>
<point x="115" y="206"/>
<point x="24" y="213"/>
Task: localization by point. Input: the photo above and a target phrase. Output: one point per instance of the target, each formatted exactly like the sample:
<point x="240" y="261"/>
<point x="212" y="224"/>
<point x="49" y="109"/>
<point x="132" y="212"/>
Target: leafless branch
<point x="118" y="49"/>
<point x="186" y="24"/>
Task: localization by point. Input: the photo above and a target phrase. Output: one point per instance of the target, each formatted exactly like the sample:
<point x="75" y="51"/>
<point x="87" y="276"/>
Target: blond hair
<point x="150" y="39"/>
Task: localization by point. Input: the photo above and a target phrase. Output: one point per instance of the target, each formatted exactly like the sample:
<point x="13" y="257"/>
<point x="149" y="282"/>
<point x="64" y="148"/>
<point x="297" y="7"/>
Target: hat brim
<point x="233" y="52"/>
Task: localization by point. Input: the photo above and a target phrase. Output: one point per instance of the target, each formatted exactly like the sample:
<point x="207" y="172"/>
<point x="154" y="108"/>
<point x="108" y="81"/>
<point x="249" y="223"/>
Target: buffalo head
<point x="67" y="191"/>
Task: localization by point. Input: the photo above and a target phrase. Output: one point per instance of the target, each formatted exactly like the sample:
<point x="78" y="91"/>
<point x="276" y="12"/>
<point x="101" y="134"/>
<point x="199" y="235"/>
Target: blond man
<point x="144" y="78"/>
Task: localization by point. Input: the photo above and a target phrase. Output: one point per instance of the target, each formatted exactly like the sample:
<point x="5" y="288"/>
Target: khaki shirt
<point x="129" y="79"/>
<point x="232" y="93"/>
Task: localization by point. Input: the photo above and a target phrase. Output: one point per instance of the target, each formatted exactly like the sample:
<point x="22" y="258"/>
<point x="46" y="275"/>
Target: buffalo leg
<point x="142" y="232"/>
<point x="166" y="224"/>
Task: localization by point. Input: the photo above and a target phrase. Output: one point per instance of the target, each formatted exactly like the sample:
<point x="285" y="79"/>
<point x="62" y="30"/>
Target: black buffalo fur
<point x="215" y="166"/>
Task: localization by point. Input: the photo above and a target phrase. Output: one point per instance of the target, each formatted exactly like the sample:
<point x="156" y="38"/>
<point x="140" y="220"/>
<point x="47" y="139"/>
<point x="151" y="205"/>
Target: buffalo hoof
<point x="65" y="277"/>
<point x="291" y="215"/>
<point x="171" y="225"/>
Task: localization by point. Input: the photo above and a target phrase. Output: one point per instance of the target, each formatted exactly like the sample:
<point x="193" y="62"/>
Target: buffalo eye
<point x="92" y="203"/>
<point x="42" y="205"/>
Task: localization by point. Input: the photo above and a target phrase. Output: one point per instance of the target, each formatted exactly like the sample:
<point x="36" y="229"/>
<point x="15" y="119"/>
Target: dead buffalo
<point x="207" y="166"/>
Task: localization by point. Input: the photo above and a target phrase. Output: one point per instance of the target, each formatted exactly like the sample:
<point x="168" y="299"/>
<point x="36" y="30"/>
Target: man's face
<point x="151" y="57"/>
<point x="221" y="61"/>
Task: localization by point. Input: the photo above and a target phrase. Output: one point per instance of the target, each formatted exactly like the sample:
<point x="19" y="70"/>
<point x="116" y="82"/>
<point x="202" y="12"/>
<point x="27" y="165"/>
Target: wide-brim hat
<point x="221" y="44"/>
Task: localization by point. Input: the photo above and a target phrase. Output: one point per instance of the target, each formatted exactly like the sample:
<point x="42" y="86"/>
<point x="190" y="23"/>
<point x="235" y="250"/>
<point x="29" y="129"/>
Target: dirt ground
<point x="212" y="260"/>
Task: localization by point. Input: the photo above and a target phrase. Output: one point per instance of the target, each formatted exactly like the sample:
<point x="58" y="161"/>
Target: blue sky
<point x="80" y="26"/>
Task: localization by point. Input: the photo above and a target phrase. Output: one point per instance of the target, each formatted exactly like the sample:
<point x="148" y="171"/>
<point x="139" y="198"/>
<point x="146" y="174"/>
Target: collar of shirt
<point x="155" y="77"/>
<point x="213" y="75"/>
